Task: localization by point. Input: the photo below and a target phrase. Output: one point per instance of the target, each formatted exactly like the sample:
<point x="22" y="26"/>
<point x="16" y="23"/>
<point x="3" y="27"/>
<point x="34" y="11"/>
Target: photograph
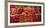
<point x="24" y="14"/>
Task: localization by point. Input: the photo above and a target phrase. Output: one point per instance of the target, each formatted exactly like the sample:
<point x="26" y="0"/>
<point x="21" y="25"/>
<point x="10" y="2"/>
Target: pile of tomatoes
<point x="25" y="13"/>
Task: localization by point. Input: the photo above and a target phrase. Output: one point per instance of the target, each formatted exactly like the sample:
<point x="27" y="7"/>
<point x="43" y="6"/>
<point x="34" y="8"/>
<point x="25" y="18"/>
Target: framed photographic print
<point x="24" y="14"/>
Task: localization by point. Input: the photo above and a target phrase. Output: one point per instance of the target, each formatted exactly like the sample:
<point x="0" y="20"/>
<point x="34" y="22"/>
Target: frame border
<point x="6" y="13"/>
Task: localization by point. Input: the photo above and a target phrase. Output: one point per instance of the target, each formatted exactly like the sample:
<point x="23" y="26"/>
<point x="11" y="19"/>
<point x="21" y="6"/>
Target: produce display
<point x="25" y="13"/>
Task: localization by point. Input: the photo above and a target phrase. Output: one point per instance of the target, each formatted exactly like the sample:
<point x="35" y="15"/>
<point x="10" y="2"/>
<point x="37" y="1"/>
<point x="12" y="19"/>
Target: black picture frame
<point x="6" y="12"/>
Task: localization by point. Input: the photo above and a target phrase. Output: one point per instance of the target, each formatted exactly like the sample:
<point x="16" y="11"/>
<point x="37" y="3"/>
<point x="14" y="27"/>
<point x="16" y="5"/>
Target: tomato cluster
<point x="25" y="13"/>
